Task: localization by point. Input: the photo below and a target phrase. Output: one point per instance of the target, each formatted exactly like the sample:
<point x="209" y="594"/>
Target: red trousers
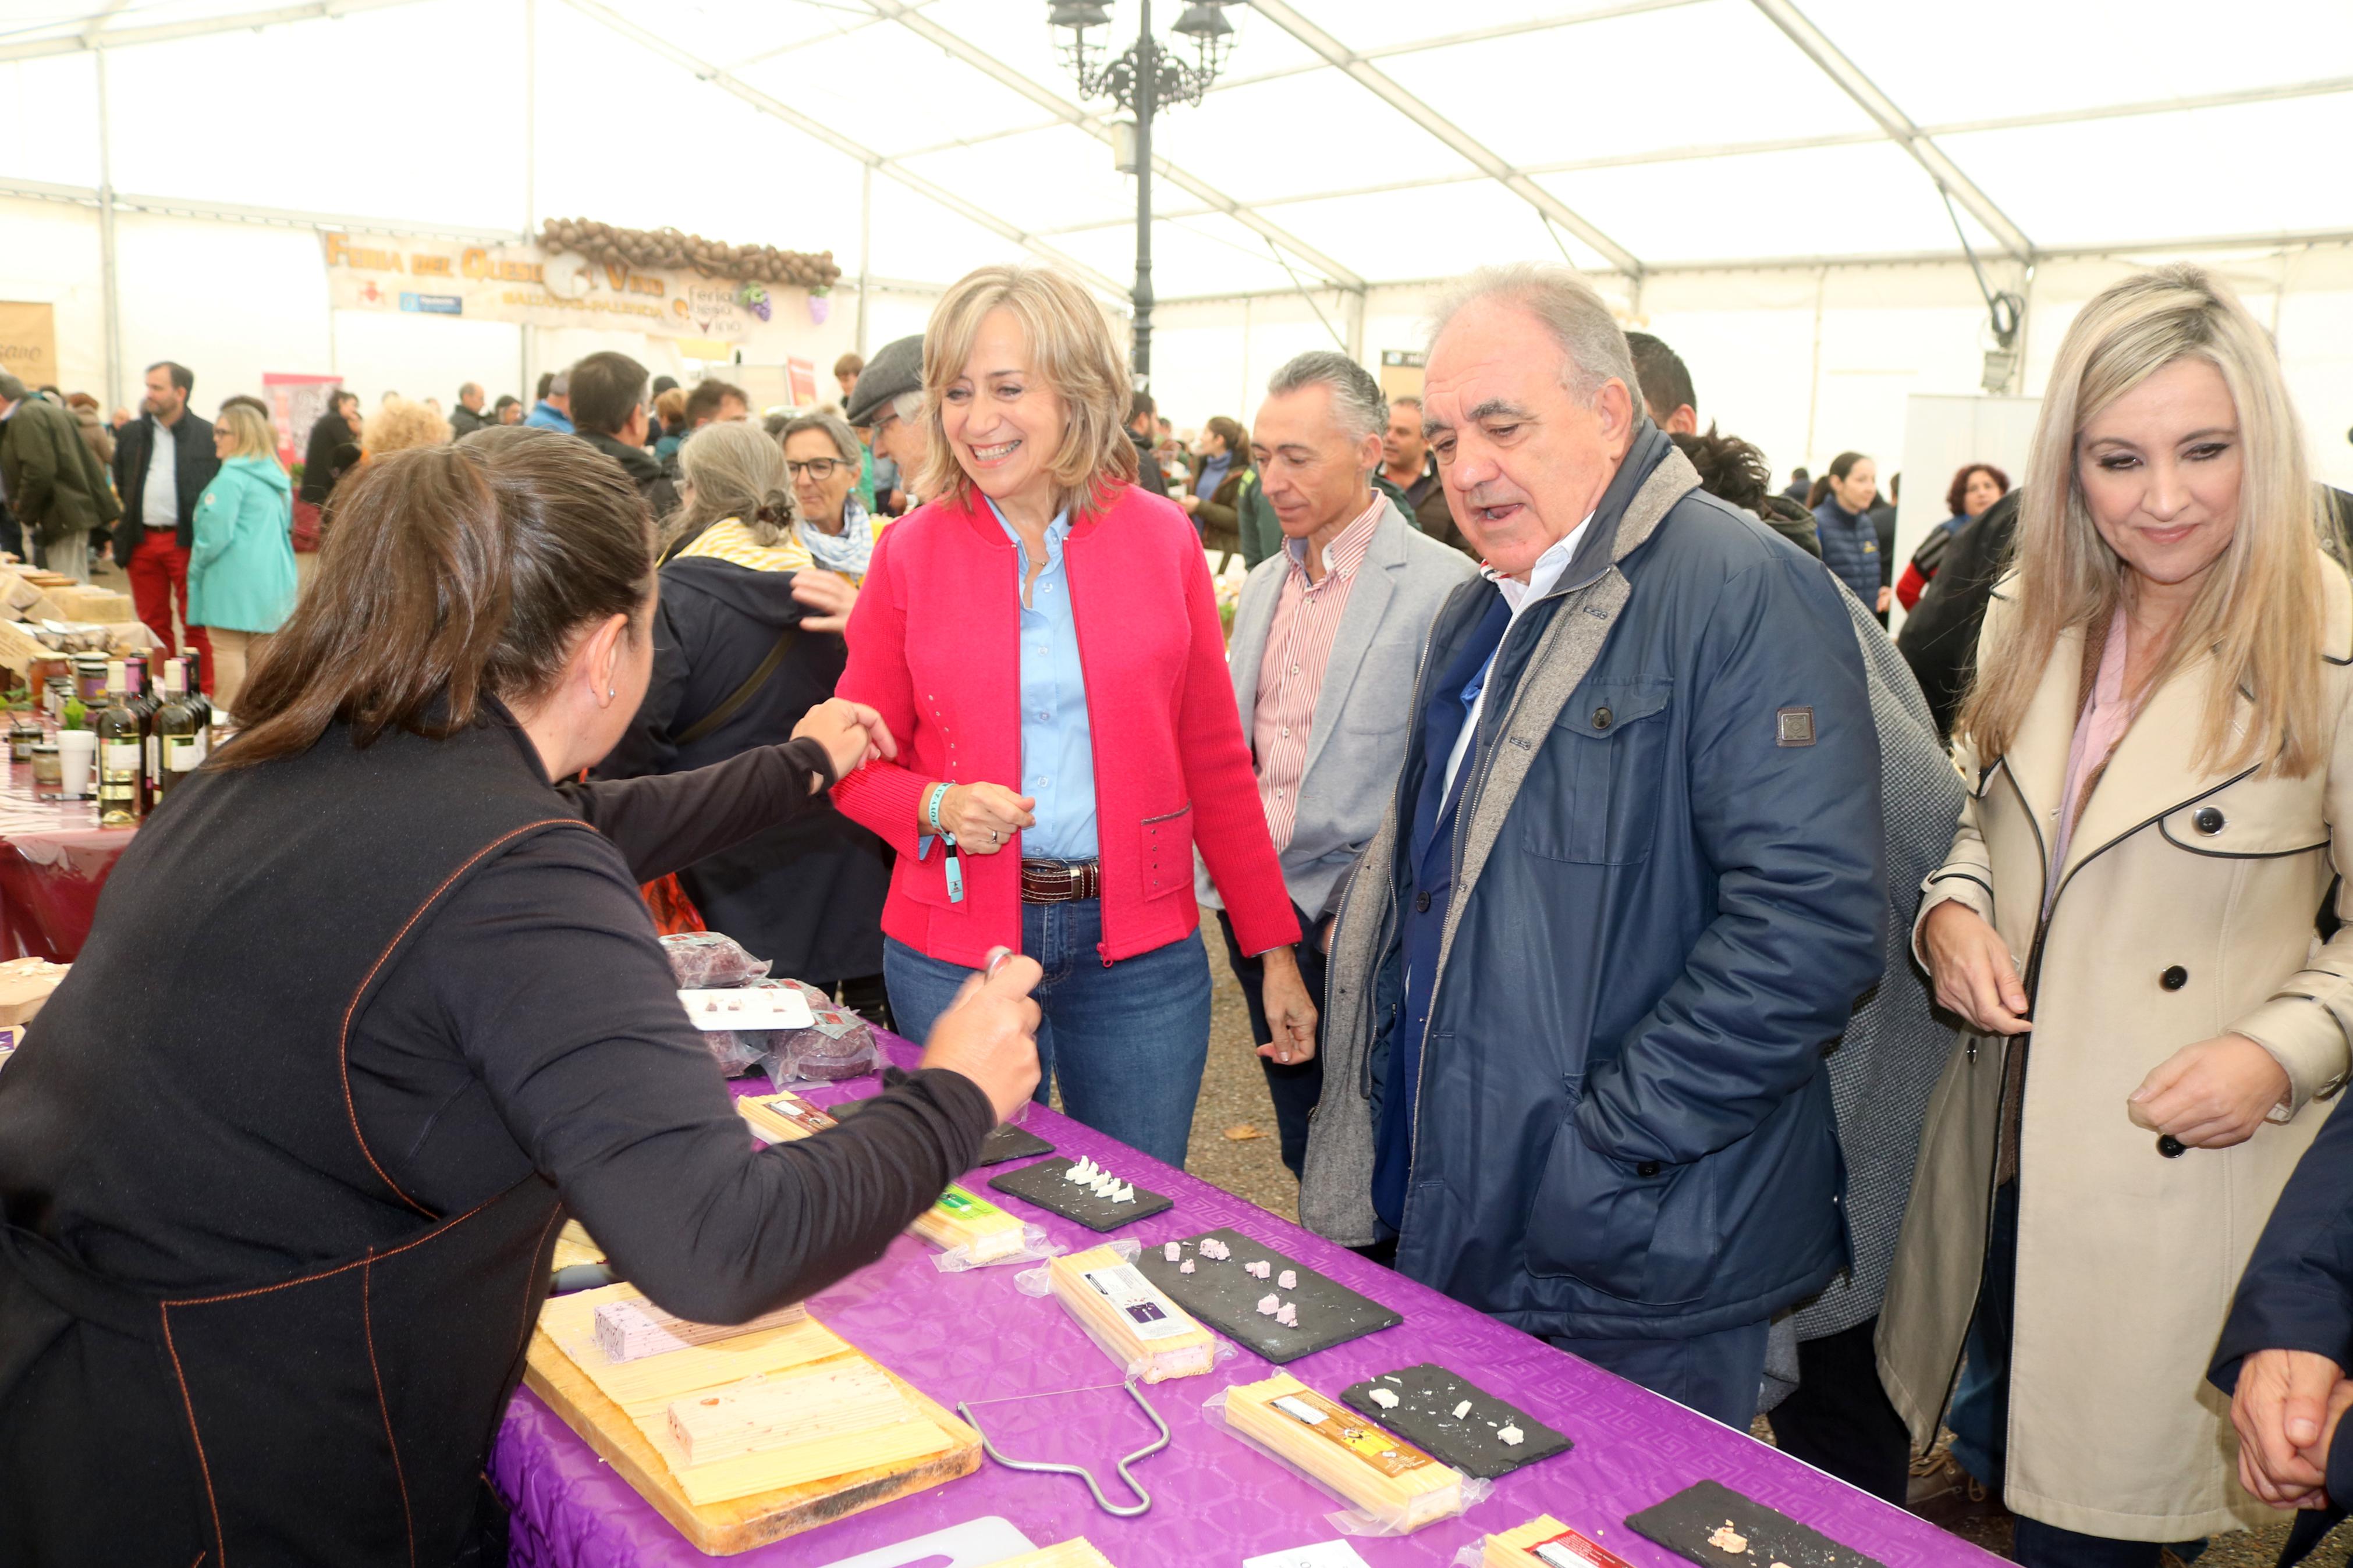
<point x="158" y="570"/>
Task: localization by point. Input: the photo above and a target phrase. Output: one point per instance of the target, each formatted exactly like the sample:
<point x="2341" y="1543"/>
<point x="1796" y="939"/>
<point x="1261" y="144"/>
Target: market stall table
<point x="973" y="1336"/>
<point x="54" y="858"/>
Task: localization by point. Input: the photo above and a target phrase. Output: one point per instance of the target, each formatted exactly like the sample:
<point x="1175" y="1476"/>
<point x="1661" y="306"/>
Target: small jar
<point x="22" y="736"/>
<point x="48" y="774"/>
<point x="90" y="678"/>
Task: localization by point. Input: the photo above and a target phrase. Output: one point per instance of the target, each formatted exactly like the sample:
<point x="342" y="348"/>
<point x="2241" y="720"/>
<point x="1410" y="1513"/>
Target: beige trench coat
<point x="2184" y="911"/>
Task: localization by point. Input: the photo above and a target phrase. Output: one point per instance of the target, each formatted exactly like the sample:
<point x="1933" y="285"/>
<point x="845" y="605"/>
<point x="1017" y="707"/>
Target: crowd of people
<point x="1640" y="946"/>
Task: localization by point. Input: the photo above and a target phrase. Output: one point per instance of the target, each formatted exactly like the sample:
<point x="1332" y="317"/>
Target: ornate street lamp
<point x="1144" y="79"/>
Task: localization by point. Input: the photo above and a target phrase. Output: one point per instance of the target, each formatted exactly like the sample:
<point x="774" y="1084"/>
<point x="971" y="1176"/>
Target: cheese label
<point x="792" y="1108"/>
<point x="1346" y="1429"/>
<point x="964" y="1206"/>
<point x="1150" y="1314"/>
<point x="1571" y="1550"/>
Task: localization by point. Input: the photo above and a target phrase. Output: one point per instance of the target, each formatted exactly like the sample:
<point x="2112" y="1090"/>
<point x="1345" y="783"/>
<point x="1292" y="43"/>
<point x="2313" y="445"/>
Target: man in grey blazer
<point x="1326" y="635"/>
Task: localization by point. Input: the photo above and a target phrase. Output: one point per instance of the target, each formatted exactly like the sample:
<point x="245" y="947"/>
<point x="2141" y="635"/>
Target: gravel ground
<point x="1233" y="1097"/>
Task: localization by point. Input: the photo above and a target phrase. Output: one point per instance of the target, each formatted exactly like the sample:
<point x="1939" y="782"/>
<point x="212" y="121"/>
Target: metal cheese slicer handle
<point x="964" y="1408"/>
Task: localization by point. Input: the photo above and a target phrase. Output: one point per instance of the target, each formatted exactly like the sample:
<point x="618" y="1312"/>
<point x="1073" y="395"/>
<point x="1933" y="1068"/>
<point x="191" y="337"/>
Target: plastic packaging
<point x="1351" y="1518"/>
<point x="1036" y="1282"/>
<point x="1036" y="1247"/>
<point x="839" y="1044"/>
<point x="702" y="959"/>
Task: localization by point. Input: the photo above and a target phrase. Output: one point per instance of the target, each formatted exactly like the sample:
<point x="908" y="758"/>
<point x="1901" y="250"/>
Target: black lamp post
<point x="1141" y="82"/>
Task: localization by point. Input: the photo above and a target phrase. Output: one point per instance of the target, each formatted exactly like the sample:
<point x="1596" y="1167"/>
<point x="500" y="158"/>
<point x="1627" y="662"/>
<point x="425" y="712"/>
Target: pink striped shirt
<point x="1291" y="671"/>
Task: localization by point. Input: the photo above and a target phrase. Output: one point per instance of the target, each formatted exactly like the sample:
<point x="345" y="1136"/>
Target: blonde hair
<point x="737" y="470"/>
<point x="2259" y="610"/>
<point x="250" y="435"/>
<point x="1071" y="349"/>
<point x="400" y="425"/>
<point x="671" y="409"/>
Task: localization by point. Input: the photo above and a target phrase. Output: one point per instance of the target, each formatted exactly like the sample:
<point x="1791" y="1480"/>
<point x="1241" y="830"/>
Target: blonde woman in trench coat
<point x="2160" y="770"/>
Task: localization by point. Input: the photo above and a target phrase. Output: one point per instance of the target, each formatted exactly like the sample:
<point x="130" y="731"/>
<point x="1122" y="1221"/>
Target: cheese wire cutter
<point x="964" y="1408"/>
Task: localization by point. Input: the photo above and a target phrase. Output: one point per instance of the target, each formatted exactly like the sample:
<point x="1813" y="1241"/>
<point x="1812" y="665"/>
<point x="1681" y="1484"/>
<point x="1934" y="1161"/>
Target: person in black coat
<point x="268" y="1306"/>
<point x="1940" y="638"/>
<point x="743" y="642"/>
<point x="338" y="427"/>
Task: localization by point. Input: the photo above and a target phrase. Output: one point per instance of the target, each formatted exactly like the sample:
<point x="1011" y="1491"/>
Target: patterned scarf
<point x="846" y="551"/>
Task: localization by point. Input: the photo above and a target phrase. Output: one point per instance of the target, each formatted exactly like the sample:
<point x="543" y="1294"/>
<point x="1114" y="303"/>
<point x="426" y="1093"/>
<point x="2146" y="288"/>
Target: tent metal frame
<point x="104" y="29"/>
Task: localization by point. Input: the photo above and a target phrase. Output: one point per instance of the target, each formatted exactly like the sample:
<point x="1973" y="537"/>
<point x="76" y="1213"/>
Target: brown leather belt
<point x="1061" y="881"/>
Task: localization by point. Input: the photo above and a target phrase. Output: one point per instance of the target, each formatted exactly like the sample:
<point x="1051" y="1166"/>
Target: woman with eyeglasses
<point x="742" y="649"/>
<point x="835" y="534"/>
<point x="1044" y="636"/>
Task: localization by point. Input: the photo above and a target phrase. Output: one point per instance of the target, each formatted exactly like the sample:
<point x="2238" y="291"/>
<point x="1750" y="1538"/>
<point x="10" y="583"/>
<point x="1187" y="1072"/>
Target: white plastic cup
<point x="77" y="761"/>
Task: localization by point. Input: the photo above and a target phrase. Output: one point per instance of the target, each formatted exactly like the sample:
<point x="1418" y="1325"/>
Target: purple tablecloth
<point x="974" y="1336"/>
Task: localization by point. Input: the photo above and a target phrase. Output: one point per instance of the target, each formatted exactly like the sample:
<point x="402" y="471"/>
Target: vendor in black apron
<point x="369" y="1006"/>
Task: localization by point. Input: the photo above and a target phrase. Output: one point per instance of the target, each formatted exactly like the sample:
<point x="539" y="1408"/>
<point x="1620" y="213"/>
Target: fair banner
<point x="525" y="284"/>
<point x="296" y="401"/>
<point x="28" y="343"/>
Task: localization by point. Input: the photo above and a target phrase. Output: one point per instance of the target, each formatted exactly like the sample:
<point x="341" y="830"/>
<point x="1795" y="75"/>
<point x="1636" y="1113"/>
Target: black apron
<point x="227" y="1335"/>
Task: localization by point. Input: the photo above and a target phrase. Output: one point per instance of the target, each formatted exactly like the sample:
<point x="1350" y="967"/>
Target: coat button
<point x="1601" y="717"/>
<point x="2208" y="821"/>
<point x="1647" y="1168"/>
<point x="2174" y="979"/>
<point x="1421" y="903"/>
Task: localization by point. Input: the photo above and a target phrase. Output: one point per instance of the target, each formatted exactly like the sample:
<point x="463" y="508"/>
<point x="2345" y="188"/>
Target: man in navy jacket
<point x="1627" y="891"/>
<point x="2288" y="1342"/>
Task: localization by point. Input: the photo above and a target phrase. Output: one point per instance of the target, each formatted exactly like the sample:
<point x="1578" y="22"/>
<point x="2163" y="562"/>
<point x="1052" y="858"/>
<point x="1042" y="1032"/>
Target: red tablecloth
<point x="54" y="858"/>
<point x="974" y="1336"/>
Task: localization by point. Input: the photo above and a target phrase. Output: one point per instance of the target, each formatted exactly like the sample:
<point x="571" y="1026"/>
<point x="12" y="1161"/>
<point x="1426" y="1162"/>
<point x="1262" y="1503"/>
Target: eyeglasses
<point x="819" y="468"/>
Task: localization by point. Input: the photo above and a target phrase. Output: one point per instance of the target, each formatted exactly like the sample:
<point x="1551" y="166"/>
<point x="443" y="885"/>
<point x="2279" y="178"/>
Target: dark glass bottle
<point x="179" y="730"/>
<point x="122" y="747"/>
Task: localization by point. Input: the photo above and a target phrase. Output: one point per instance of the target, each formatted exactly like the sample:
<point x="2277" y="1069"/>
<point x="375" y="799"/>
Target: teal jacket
<point x="241" y="558"/>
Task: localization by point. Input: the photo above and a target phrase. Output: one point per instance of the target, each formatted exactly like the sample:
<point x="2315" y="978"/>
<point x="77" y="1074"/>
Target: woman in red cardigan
<point x="1044" y="640"/>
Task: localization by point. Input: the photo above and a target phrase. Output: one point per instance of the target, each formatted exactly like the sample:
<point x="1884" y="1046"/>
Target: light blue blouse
<point x="1057" y="759"/>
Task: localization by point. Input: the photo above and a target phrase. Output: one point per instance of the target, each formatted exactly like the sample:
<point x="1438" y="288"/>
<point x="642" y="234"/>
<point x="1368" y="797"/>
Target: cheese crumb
<point x="1267" y="1305"/>
<point x="1461" y="1410"/>
<point x="1186" y="1267"/>
<point x="1384" y="1399"/>
<point x="1290" y="1279"/>
<point x="1288" y="1316"/>
<point x="1173" y="1251"/>
<point x="1512" y="1436"/>
<point x="1726" y="1539"/>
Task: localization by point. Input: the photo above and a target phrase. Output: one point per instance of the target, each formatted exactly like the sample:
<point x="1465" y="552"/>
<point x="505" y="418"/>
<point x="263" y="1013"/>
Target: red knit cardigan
<point x="935" y="646"/>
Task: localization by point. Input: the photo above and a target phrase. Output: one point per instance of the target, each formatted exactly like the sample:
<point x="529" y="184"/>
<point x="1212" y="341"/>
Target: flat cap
<point x="897" y="368"/>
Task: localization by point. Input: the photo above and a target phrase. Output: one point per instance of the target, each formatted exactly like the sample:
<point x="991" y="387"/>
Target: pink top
<point x="942" y="662"/>
<point x="2100" y="726"/>
<point x="1291" y="671"/>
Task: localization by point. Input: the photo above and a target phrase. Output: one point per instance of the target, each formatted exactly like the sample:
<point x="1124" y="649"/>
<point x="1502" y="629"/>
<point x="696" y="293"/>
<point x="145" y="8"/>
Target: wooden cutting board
<point x="738" y="1524"/>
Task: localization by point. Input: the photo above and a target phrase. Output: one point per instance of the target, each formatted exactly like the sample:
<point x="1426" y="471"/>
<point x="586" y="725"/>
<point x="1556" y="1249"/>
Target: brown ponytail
<point x="451" y="575"/>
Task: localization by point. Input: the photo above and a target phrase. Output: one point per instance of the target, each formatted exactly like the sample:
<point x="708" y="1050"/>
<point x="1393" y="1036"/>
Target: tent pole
<point x="529" y="179"/>
<point x="1814" y="379"/>
<point x="109" y="280"/>
<point x="865" y="248"/>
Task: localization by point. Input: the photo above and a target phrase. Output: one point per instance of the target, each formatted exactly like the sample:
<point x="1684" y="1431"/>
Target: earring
<point x="611" y="692"/>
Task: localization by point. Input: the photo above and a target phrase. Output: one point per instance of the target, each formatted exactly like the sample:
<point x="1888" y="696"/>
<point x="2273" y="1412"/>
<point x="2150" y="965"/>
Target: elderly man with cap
<point x="51" y="479"/>
<point x="888" y="405"/>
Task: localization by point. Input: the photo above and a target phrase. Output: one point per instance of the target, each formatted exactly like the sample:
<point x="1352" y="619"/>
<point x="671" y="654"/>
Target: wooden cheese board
<point x="612" y="1406"/>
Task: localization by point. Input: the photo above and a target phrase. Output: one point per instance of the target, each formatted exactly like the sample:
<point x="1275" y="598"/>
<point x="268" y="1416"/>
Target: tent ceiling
<point x="1351" y="141"/>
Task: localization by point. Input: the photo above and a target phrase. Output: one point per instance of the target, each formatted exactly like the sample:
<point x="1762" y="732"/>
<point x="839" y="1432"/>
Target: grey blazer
<point x="1362" y="715"/>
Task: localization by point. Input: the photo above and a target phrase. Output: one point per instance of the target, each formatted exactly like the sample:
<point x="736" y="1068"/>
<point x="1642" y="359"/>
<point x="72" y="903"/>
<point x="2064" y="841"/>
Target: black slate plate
<point x="1424" y="1416"/>
<point x="1042" y="1184"/>
<point x="1222" y="1296"/>
<point x="1685" y="1521"/>
<point x="1006" y="1141"/>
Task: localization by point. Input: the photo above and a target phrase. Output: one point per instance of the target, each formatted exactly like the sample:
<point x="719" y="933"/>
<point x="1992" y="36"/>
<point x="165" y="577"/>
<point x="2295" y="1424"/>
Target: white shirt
<point x="159" y="501"/>
<point x="1519" y="596"/>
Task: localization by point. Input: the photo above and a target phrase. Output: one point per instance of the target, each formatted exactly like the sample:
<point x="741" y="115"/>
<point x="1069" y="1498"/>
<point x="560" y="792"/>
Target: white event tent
<point x="1782" y="189"/>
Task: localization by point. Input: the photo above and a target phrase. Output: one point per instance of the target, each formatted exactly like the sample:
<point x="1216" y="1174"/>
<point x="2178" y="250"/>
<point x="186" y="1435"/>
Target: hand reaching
<point x="852" y="733"/>
<point x="832" y="596"/>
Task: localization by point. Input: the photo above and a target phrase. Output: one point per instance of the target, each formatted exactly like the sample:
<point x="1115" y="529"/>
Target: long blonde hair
<point x="1071" y="349"/>
<point x="2259" y="610"/>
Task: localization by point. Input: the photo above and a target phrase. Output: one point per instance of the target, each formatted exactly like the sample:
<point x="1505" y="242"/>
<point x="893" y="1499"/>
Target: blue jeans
<point x="1125" y="1041"/>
